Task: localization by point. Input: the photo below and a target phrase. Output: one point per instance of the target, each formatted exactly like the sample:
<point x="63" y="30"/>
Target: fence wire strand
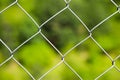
<point x="113" y="61"/>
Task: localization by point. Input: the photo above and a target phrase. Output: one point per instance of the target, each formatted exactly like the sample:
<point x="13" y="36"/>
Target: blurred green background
<point x="64" y="31"/>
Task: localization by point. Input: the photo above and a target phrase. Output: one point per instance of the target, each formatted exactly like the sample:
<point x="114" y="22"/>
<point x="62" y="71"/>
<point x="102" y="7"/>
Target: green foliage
<point x="64" y="31"/>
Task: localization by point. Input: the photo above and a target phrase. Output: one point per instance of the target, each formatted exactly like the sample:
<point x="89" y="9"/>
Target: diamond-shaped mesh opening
<point x="88" y="60"/>
<point x="37" y="56"/>
<point x="5" y="3"/>
<point x="41" y="10"/>
<point x="15" y="27"/>
<point x="108" y="36"/>
<point x="12" y="71"/>
<point x="92" y="11"/>
<point x="62" y="72"/>
<point x="65" y="32"/>
<point x="113" y="74"/>
<point x="4" y="53"/>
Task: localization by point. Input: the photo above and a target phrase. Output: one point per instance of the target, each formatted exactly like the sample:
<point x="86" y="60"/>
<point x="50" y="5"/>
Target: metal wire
<point x="113" y="61"/>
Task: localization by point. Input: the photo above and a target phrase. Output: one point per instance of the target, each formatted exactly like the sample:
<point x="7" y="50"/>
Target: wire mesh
<point x="67" y="7"/>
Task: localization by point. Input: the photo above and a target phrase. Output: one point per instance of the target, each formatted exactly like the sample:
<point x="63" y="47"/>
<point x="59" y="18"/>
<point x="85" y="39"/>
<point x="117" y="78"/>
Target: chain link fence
<point x="63" y="56"/>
